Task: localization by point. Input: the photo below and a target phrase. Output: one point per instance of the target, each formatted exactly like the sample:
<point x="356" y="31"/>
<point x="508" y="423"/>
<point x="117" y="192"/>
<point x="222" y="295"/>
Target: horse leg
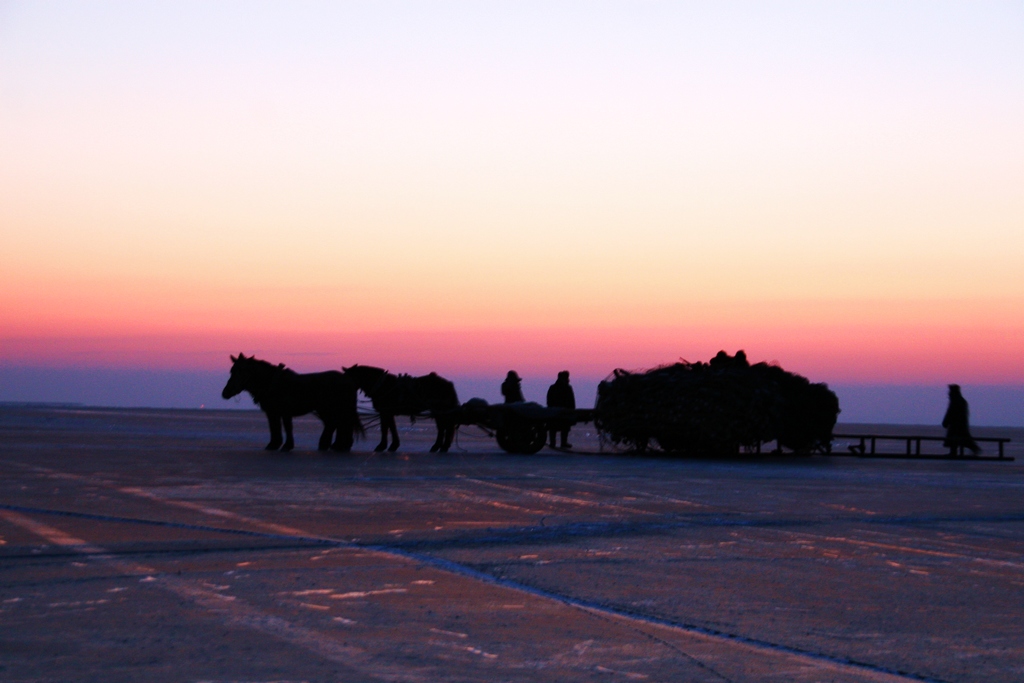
<point x="386" y="421"/>
<point x="289" y="441"/>
<point x="343" y="442"/>
<point x="383" y="444"/>
<point x="393" y="427"/>
<point x="348" y="426"/>
<point x="275" y="431"/>
<point x="439" y="441"/>
<point x="445" y="434"/>
<point x="325" y="436"/>
<point x="449" y="435"/>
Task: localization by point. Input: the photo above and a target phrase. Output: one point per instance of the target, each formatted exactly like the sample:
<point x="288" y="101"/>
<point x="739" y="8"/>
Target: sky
<point x="471" y="187"/>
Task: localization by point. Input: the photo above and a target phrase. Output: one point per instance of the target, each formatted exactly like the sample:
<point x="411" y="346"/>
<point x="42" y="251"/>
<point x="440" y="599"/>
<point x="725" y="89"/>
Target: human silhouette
<point x="561" y="395"/>
<point x="958" y="431"/>
<point x="724" y="360"/>
<point x="511" y="389"/>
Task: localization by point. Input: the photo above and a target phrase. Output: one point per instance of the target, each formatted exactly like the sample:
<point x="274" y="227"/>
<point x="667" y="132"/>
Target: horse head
<point x="365" y="377"/>
<point x="241" y="373"/>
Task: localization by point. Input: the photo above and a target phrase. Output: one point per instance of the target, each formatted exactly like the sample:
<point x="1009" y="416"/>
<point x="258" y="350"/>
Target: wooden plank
<point x="861" y="449"/>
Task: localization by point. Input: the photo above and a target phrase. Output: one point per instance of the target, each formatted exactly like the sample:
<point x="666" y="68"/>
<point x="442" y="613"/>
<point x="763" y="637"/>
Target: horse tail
<point x="357" y="428"/>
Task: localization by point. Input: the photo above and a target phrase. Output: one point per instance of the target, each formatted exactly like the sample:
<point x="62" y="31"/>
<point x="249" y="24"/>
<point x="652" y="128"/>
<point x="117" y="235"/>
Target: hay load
<point x="715" y="408"/>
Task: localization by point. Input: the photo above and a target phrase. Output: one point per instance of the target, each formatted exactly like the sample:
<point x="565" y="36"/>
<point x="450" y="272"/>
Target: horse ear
<point x="234" y="359"/>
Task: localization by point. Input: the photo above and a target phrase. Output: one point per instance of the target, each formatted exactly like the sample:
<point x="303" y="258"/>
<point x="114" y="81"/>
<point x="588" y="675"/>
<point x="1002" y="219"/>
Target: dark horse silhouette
<point x="283" y="394"/>
<point x="430" y="395"/>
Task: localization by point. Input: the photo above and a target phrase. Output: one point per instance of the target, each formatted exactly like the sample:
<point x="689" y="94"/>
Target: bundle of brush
<point x="715" y="408"/>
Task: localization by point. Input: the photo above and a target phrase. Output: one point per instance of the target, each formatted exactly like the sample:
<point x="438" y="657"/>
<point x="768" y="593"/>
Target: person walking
<point x="511" y="388"/>
<point x="561" y="395"/>
<point x="956" y="422"/>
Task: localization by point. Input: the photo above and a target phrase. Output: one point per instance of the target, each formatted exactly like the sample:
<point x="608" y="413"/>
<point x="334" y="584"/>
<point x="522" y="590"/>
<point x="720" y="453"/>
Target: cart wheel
<point x="521" y="438"/>
<point x="538" y="440"/>
<point x="505" y="441"/>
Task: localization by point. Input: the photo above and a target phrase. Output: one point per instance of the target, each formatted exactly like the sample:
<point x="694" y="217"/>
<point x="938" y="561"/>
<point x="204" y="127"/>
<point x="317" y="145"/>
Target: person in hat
<point x="511" y="389"/>
<point x="958" y="431"/>
<point x="561" y="395"/>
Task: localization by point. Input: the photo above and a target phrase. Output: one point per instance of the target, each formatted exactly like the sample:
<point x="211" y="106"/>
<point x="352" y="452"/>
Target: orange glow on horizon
<point x="834" y="353"/>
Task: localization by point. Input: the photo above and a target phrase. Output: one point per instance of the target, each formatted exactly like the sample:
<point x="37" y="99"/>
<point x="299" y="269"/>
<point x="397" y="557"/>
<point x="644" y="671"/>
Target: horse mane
<point x="358" y="367"/>
<point x="263" y="363"/>
<point x="262" y="376"/>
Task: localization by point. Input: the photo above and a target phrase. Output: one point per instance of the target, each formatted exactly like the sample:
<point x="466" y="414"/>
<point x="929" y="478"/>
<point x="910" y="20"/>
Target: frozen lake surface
<point x="165" y="545"/>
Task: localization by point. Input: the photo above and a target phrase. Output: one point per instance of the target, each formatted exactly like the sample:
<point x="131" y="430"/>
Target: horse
<point x="430" y="395"/>
<point x="283" y="394"/>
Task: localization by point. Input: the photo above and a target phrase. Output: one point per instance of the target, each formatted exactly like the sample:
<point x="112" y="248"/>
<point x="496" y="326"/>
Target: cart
<point x="520" y="427"/>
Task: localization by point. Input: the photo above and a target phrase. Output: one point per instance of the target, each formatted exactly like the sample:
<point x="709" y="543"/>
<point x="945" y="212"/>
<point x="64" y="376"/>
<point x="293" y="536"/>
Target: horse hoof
<point x="379" y="449"/>
<point x="272" y="446"/>
<point x="287" y="447"/>
<point x="392" y="448"/>
<point x="435" y="448"/>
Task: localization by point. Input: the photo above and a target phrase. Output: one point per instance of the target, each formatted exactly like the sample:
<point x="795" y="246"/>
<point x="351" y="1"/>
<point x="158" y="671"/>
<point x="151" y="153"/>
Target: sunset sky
<point x="472" y="187"/>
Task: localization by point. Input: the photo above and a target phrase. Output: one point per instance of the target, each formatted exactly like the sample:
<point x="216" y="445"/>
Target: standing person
<point x="958" y="432"/>
<point x="561" y="395"/>
<point x="511" y="389"/>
